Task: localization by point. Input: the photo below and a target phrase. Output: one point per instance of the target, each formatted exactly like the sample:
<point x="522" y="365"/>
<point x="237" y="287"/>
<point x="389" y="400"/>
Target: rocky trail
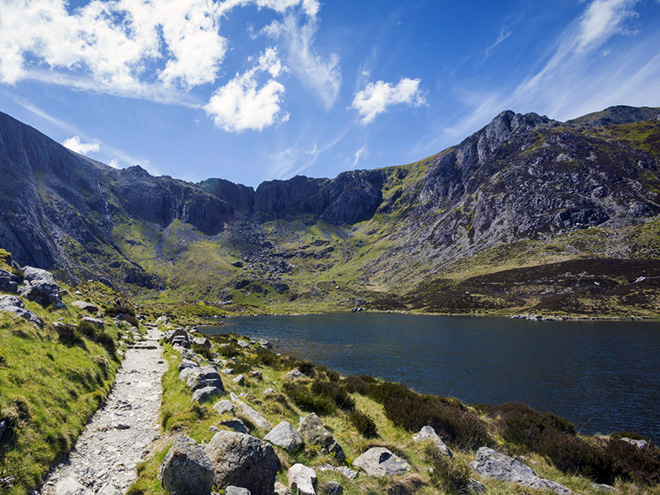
<point x="121" y="432"/>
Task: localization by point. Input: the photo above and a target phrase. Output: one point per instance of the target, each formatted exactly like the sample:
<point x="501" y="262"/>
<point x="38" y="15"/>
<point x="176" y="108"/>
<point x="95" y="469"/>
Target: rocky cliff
<point x="523" y="190"/>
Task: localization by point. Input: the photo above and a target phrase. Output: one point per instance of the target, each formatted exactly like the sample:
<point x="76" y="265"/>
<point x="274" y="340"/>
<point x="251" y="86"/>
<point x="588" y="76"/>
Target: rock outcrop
<point x="492" y="464"/>
<point x="285" y="436"/>
<point x="186" y="469"/>
<point x="428" y="433"/>
<point x="380" y="462"/>
<point x="313" y="432"/>
<point x="16" y="306"/>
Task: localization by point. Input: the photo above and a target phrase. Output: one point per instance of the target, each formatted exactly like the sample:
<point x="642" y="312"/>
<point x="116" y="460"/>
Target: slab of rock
<point x="186" y="469"/>
<point x="280" y="489"/>
<point x="235" y="490"/>
<point x="187" y="363"/>
<point x="380" y="462"/>
<point x="641" y="444"/>
<point x="85" y="306"/>
<point x="239" y="380"/>
<point x="346" y="471"/>
<point x="15" y="305"/>
<point x="243" y="344"/>
<point x="224" y="407"/>
<point x="334" y="488"/>
<point x="40" y="287"/>
<point x="428" y="433"/>
<point x="254" y="416"/>
<point x="302" y="479"/>
<point x="294" y="375"/>
<point x="492" y="464"/>
<point x="240" y="459"/>
<point x="202" y="342"/>
<point x="313" y="432"/>
<point x="94" y="321"/>
<point x="257" y="375"/>
<point x="204" y="377"/>
<point x="70" y="486"/>
<point x="206" y="394"/>
<point x="284" y="435"/>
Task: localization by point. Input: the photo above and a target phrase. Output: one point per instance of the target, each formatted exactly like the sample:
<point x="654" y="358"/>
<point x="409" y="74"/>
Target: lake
<point x="603" y="376"/>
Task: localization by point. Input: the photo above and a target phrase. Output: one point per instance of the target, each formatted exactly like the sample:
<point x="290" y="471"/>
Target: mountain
<point x="526" y="214"/>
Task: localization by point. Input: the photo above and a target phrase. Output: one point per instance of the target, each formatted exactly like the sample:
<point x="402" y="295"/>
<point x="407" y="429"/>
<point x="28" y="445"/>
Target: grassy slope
<point x="178" y="414"/>
<point x="49" y="387"/>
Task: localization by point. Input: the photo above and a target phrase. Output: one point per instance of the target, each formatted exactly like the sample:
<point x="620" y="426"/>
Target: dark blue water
<point x="602" y="376"/>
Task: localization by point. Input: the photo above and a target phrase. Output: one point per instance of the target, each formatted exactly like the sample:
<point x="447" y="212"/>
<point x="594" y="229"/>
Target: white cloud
<point x="74" y="144"/>
<point x="377" y="97"/>
<point x="321" y="76"/>
<point x="603" y="19"/>
<point x="241" y="105"/>
<point x="359" y="154"/>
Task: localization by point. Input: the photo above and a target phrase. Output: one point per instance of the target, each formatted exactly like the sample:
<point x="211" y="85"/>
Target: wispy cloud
<point x="363" y="152"/>
<point x="75" y="144"/>
<point x="377" y="97"/>
<point x="320" y="75"/>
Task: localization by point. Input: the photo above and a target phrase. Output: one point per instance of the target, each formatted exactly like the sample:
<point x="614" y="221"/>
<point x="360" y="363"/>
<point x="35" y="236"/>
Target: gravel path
<point x="121" y="432"/>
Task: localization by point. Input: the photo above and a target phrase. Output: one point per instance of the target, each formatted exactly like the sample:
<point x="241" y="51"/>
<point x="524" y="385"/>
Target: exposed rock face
<point x="284" y="435"/>
<point x="492" y="464"/>
<point x="186" y="469"/>
<point x="380" y="462"/>
<point x="428" y="433"/>
<point x="9" y="282"/>
<point x="14" y="305"/>
<point x="242" y="460"/>
<point x="302" y="479"/>
<point x="313" y="432"/>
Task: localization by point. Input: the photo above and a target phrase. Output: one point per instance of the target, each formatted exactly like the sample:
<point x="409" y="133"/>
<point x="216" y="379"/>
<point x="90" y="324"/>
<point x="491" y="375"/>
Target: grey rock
<point x="428" y="433"/>
<point x="85" y="306"/>
<point x="224" y="407"/>
<point x="239" y="380"/>
<point x="9" y="282"/>
<point x="348" y="472"/>
<point x="243" y="344"/>
<point x="268" y="391"/>
<point x="187" y="363"/>
<point x="235" y="424"/>
<point x="109" y="489"/>
<point x="380" y="462"/>
<point x="641" y="444"/>
<point x="334" y="488"/>
<point x="257" y="375"/>
<point x="313" y="432"/>
<point x="235" y="490"/>
<point x="492" y="464"/>
<point x="600" y="487"/>
<point x="204" y="377"/>
<point x="280" y="489"/>
<point x="240" y="459"/>
<point x="254" y="416"/>
<point x="302" y="479"/>
<point x="294" y="375"/>
<point x="183" y="374"/>
<point x="476" y="486"/>
<point x="206" y="394"/>
<point x="15" y="305"/>
<point x="94" y="321"/>
<point x="40" y="286"/>
<point x="202" y="341"/>
<point x="186" y="468"/>
<point x="228" y="371"/>
<point x="285" y="436"/>
<point x="70" y="486"/>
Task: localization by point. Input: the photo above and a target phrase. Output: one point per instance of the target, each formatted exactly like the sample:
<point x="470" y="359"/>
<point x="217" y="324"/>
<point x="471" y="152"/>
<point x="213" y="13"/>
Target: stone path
<point x="120" y="433"/>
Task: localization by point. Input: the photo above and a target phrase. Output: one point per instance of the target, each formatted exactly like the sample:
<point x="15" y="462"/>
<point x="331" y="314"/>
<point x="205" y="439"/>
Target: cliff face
<point x="520" y="178"/>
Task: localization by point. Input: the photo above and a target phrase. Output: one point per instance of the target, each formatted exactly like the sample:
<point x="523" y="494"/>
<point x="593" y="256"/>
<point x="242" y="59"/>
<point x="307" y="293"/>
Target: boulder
<point x="380" y="462"/>
<point x="428" y="433"/>
<point x="346" y="471"/>
<point x="187" y="363"/>
<point x="183" y="374"/>
<point x="94" y="321"/>
<point x="294" y="375"/>
<point x="186" y="469"/>
<point x="256" y="418"/>
<point x="492" y="464"/>
<point x="235" y="490"/>
<point x="285" y="436"/>
<point x="240" y="459"/>
<point x="85" y="306"/>
<point x="40" y="287"/>
<point x="243" y="344"/>
<point x="257" y="375"/>
<point x="476" y="486"/>
<point x="236" y="425"/>
<point x="239" y="380"/>
<point x="70" y="486"/>
<point x="224" y="407"/>
<point x="334" y="488"/>
<point x="280" y="489"/>
<point x="313" y="432"/>
<point x="202" y="342"/>
<point x="302" y="479"/>
<point x="9" y="282"/>
<point x="206" y="394"/>
<point x="207" y="376"/>
<point x="109" y="489"/>
<point x="15" y="305"/>
<point x="641" y="444"/>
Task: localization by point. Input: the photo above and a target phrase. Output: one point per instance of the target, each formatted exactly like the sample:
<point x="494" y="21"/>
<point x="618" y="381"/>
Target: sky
<point x="255" y="90"/>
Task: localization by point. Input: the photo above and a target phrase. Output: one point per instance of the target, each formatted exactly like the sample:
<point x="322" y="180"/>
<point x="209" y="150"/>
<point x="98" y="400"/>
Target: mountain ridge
<point x="376" y="233"/>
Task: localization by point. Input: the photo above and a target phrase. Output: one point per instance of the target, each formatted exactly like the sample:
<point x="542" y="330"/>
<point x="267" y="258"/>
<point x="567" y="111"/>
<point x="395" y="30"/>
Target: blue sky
<point x="253" y="90"/>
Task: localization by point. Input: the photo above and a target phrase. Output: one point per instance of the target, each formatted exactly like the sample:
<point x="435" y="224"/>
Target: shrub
<point x="363" y="424"/>
<point x="451" y="477"/>
<point x="304" y="398"/>
<point x="334" y="392"/>
<point x="69" y="335"/>
<point x="355" y="384"/>
<point x="88" y="329"/>
<point x="231" y="350"/>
